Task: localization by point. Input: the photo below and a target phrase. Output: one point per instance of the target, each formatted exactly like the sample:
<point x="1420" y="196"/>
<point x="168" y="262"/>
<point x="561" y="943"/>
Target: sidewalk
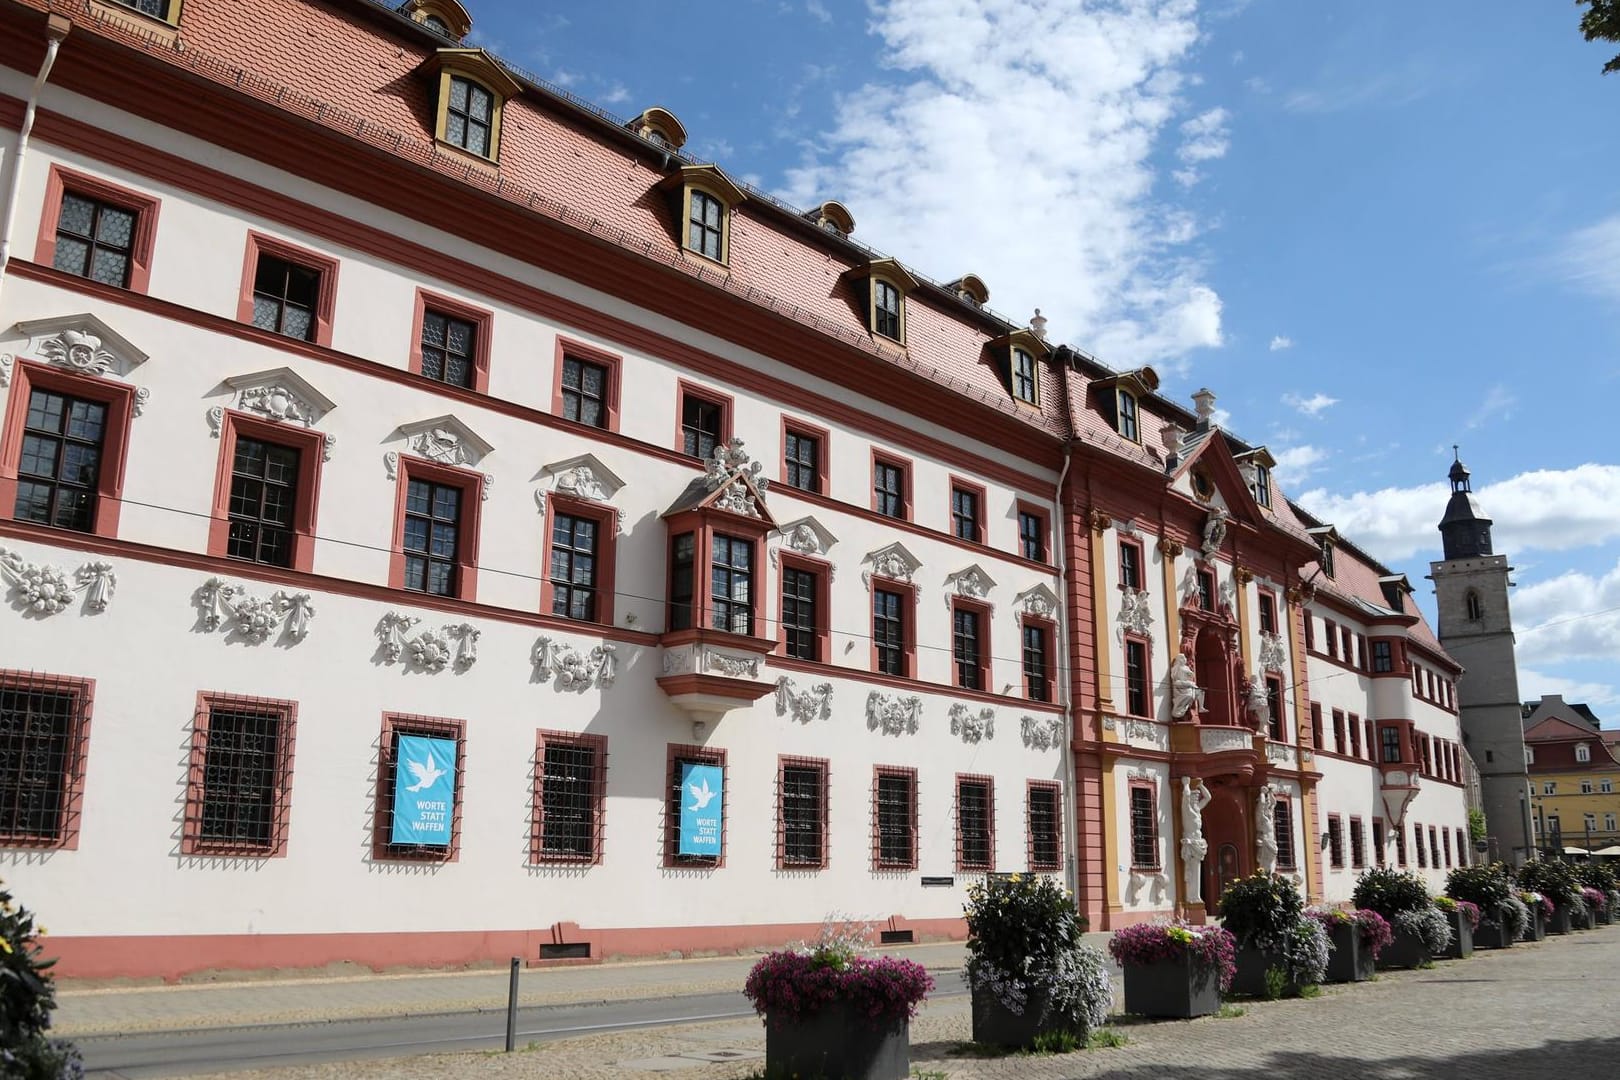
<point x="292" y="1000"/>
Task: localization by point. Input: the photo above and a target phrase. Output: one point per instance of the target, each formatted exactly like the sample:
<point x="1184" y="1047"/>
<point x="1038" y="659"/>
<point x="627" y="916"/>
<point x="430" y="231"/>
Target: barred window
<point x="1335" y="842"/>
<point x="470" y="116"/>
<point x="1036" y="673"/>
<point x="975" y="824"/>
<point x="803" y="814"/>
<point x="432" y="536"/>
<point x="570" y="780"/>
<point x="241" y="769"/>
<point x="1045" y="850"/>
<point x="1283" y="829"/>
<point x="967" y="648"/>
<point x="1378" y="842"/>
<point x="285" y="297"/>
<point x="449" y="348"/>
<point x="896" y="818"/>
<point x="889" y="489"/>
<point x="94" y="239"/>
<point x="1417" y="842"/>
<point x="264" y="499"/>
<point x="1144" y="828"/>
<point x="585" y="391"/>
<point x="889" y="631"/>
<point x="701" y="422"/>
<point x="799" y="616"/>
<point x="1032" y="536"/>
<point x="803" y="453"/>
<point x="388" y="774"/>
<point x="1358" y="844"/>
<point x="1400" y="846"/>
<point x="732" y="590"/>
<point x="59" y="469"/>
<point x="965" y="514"/>
<point x="1434" y="849"/>
<point x="44" y="723"/>
<point x="573" y="567"/>
<point x="681" y="756"/>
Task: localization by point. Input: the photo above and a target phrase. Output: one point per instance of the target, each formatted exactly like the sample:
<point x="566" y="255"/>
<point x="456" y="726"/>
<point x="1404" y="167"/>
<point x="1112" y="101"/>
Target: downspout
<point x="56" y="28"/>
<point x="1071" y="834"/>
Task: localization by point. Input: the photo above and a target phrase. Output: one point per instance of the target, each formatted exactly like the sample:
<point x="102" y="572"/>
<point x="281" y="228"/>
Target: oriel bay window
<point x="715" y="576"/>
<point x="731" y="579"/>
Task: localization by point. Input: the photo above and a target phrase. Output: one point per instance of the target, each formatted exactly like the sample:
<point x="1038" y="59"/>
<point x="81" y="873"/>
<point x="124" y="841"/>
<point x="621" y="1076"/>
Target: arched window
<point x="1476" y="610"/>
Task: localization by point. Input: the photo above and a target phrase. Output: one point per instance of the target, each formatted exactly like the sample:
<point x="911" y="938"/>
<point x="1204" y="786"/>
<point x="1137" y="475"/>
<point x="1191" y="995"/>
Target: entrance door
<point x="1226" y="829"/>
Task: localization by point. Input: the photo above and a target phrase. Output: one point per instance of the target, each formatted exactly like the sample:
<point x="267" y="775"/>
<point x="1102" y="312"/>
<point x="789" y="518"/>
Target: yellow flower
<point x="4" y="944"/>
<point x="43" y="931"/>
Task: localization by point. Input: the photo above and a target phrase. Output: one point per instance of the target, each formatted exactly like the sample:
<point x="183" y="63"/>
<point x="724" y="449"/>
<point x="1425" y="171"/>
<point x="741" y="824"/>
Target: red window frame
<point x="1417" y="838"/>
<point x="1147" y="675"/>
<point x="1056" y="791"/>
<point x="59" y="181"/>
<point x="1335" y="829"/>
<point x="821" y="569"/>
<point x="1368" y="743"/>
<point x="311" y="446"/>
<point x="325" y="298"/>
<point x="1338" y="731"/>
<point x="726" y="403"/>
<point x="908" y="616"/>
<point x="783" y="763"/>
<point x="823" y="437"/>
<point x="191" y="839"/>
<point x="1358" y="844"/>
<point x="1042" y="515"/>
<point x="878" y="861"/>
<point x="472" y="501"/>
<point x="1276" y="709"/>
<point x="1400" y="845"/>
<point x="1266" y="599"/>
<point x="989" y="782"/>
<point x="1152" y="791"/>
<point x="1283" y="830"/>
<point x="433" y="727"/>
<point x="598" y="797"/>
<point x="1048" y="630"/>
<point x="612" y="390"/>
<point x="982" y="664"/>
<point x="117" y="396"/>
<point x="1434" y="849"/>
<point x="483" y="321"/>
<point x="1352" y="724"/>
<point x="674" y="753"/>
<point x="1378" y="842"/>
<point x="1316" y="726"/>
<point x="1330" y="637"/>
<point x="908" y="490"/>
<point x="980" y="499"/>
<point x="1310" y="632"/>
<point x="607" y="551"/>
<point x="70" y="812"/>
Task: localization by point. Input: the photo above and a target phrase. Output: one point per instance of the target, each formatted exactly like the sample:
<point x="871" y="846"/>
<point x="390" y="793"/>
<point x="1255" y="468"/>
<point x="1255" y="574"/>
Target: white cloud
<point x="1279" y="343"/>
<point x="1310" y="406"/>
<point x="819" y="10"/>
<point x="1045" y="117"/>
<point x="617" y="94"/>
<point x="564" y="78"/>
<point x="1533" y="684"/>
<point x="1573" y="616"/>
<point x="1591" y="258"/>
<point x="1499" y="401"/>
<point x="1205" y="137"/>
<point x="1295" y="463"/>
<point x="1545" y="510"/>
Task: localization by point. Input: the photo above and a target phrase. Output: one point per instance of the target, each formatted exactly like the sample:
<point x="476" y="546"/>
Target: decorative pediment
<point x="971" y="582"/>
<point x="82" y="344"/>
<point x="446" y="440"/>
<point x="892" y="561"/>
<point x="583" y="477"/>
<point x="806" y="536"/>
<point x="280" y="394"/>
<point x="1037" y="600"/>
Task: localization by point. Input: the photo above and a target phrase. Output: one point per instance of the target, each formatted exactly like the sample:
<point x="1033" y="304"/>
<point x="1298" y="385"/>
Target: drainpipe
<point x="1066" y="687"/>
<point x="56" y="28"/>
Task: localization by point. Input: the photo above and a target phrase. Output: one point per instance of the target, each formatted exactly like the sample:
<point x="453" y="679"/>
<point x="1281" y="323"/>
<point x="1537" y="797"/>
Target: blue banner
<point x="702" y="800"/>
<point x="424" y="790"/>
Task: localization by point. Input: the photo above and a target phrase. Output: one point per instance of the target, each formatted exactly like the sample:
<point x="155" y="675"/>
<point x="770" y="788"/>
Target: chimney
<point x="1204" y="405"/>
<point x="1037" y="325"/>
<point x="1170" y="435"/>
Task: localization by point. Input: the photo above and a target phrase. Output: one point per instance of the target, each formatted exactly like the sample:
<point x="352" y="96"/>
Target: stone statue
<point x="1214" y="531"/>
<point x="1189" y="585"/>
<point x="1184" y="692"/>
<point x="1265" y="830"/>
<point x="1258" y="702"/>
<point x="1193" y="845"/>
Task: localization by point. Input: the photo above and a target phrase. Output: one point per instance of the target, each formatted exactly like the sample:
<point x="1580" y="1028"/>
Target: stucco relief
<point x="679" y="661"/>
<point x="47" y="589"/>
<point x="1143" y="733"/>
<point x="892" y="561"/>
<point x="1188" y="589"/>
<point x="79" y="351"/>
<point x="1273" y="654"/>
<point x="1214" y="531"/>
<point x="971" y="582"/>
<point x="1045" y="733"/>
<point x="730" y="459"/>
<point x="1257" y="702"/>
<point x="731" y="666"/>
<point x="84" y="345"/>
<point x="805" y="536"/>
<point x="573" y="668"/>
<point x="973" y="726"/>
<point x="7" y="364"/>
<point x="1265" y="830"/>
<point x="1135" y="614"/>
<point x="1280" y="753"/>
<point x="255" y="618"/>
<point x="805" y="705"/>
<point x="1220" y="740"/>
<point x="1155" y="880"/>
<point x="892" y="714"/>
<point x="431" y="649"/>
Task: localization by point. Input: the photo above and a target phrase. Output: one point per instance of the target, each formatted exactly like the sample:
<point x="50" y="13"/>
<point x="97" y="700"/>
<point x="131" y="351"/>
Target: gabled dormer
<point x="1118" y="398"/>
<point x="880" y="288"/>
<point x="1256" y="466"/>
<point x="1326" y="538"/>
<point x="703" y="199"/>
<point x="1019" y="357"/>
<point x="472" y="90"/>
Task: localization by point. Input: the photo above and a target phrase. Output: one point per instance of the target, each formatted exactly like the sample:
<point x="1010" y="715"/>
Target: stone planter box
<point x="1462" y="937"/>
<point x="1492" y="935"/>
<point x="1350" y="960"/>
<point x="836" y="1042"/>
<point x="1250" y="979"/>
<point x="1538" y="924"/>
<point x="1582" y="921"/>
<point x="1559" y="923"/>
<point x="996" y="1025"/>
<point x="1406" y="951"/>
<point x="1606" y="916"/>
<point x="1171" y="989"/>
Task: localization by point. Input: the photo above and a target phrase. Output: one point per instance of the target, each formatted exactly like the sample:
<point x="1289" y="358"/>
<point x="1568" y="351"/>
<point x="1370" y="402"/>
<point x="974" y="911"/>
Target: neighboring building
<point x="1574" y="777"/>
<point x="1476" y="626"/>
<point x="465" y="526"/>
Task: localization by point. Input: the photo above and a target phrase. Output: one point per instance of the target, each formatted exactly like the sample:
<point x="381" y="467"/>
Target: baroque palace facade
<point x="441" y="522"/>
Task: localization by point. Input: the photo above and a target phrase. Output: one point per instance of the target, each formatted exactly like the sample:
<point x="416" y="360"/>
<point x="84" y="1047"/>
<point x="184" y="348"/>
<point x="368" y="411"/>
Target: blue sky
<point x="1374" y="230"/>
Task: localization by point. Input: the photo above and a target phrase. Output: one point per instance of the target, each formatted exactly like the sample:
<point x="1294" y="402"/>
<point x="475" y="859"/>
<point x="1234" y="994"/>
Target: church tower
<point x="1471" y="586"/>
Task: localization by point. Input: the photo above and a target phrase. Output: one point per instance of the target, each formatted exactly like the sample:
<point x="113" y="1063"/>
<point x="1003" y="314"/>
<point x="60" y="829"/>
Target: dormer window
<point x="1023" y="371"/>
<point x="704" y="199"/>
<point x="833" y="217"/>
<point x="1262" y="485"/>
<point x="1125" y="407"/>
<point x="1017" y="357"/>
<point x="1583" y="753"/>
<point x="880" y="288"/>
<point x="437" y="25"/>
<point x="166" y="10"/>
<point x="470" y="121"/>
<point x="1119" y="399"/>
<point x="1327" y="556"/>
<point x="886" y="309"/>
<point x="970" y="289"/>
<point x="659" y="125"/>
<point x="705" y="227"/>
<point x="446" y="17"/>
<point x="472" y="90"/>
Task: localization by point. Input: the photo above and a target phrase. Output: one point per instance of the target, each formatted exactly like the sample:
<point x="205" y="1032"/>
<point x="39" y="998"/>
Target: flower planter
<point x="1172" y="989"/>
<point x="1559" y="921"/>
<point x="1252" y="964"/>
<point x="1462" y="937"/>
<point x="1582" y="921"/>
<point x="1406" y="951"/>
<point x="1492" y="935"/>
<point x="1350" y="960"/>
<point x="1606" y="916"/>
<point x="996" y="1025"/>
<point x="1538" y="924"/>
<point x="838" y="1042"/>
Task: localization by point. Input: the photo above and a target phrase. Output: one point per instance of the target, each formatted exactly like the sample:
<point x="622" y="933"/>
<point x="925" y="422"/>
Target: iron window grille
<point x="894" y="803"/>
<point x="1136" y="679"/>
<point x="705" y="228"/>
<point x="975" y="824"/>
<point x="1400" y="846"/>
<point x="1282" y="825"/>
<point x="1434" y="849"/>
<point x="1023" y="376"/>
<point x="264" y="499"/>
<point x="585" y="391"/>
<point x="95" y="239"/>
<point x="449" y="348"/>
<point x="570" y="786"/>
<point x="1130" y="566"/>
<point x="803" y="454"/>
<point x="799" y="616"/>
<point x="1032" y="536"/>
<point x="1335" y="842"/>
<point x="1417" y="842"/>
<point x="1378" y="843"/>
<point x="59" y="468"/>
<point x="1144" y="829"/>
<point x="732" y="590"/>
<point x="470" y="116"/>
<point x="241" y="777"/>
<point x="889" y="631"/>
<point x="1045" y="850"/>
<point x="285" y="296"/>
<point x="683" y="553"/>
<point x="966" y="647"/>
<point x="1358" y="844"/>
<point x="1035" y="667"/>
<point x="965" y="514"/>
<point x="382" y="845"/>
<point x="694" y="755"/>
<point x="889" y="487"/>
<point x="700" y="426"/>
<point x="432" y="536"/>
<point x="886" y="310"/>
<point x="44" y="732"/>
<point x="573" y="567"/>
<point x="801" y="814"/>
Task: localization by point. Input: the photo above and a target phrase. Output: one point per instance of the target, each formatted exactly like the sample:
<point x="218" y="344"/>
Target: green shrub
<point x="1260" y="909"/>
<point x="1486" y="886"/>
<point x="27" y="996"/>
<point x="1552" y="878"/>
<point x="1390" y="892"/>
<point x="1595" y="875"/>
<point x="1276" y="982"/>
<point x="1024" y="939"/>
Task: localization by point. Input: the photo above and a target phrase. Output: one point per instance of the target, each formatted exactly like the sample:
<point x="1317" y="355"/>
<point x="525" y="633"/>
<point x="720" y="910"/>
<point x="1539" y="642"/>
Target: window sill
<point x="165" y="30"/>
<point x="493" y="164"/>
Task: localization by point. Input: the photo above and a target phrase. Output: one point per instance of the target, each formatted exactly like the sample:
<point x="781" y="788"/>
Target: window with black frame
<point x="449" y="348"/>
<point x="1044" y="849"/>
<point x="974" y="815"/>
<point x="886" y="302"/>
<point x="95" y="239"/>
<point x="1144" y="828"/>
<point x="1036" y="673"/>
<point x="285" y="297"/>
<point x="58" y="471"/>
<point x="732" y="584"/>
<point x="966" y="648"/>
<point x="705" y="226"/>
<point x="701" y="422"/>
<point x="803" y="454"/>
<point x="799" y="618"/>
<point x="573" y="567"/>
<point x="889" y="631"/>
<point x="432" y="536"/>
<point x="264" y="501"/>
<point x="585" y="392"/>
<point x="897" y="819"/>
<point x="804" y="814"/>
<point x="570" y="792"/>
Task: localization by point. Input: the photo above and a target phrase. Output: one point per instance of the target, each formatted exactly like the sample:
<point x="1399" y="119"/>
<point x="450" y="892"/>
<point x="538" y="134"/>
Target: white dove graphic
<point x="701" y="796"/>
<point x="426" y="772"/>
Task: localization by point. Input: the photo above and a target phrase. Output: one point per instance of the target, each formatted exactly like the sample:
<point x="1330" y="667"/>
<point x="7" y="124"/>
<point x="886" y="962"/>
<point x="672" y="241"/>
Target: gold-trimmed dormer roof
<point x="1142" y="380"/>
<point x="660" y="125"/>
<point x="889" y="269"/>
<point x="971" y="287"/>
<point x="476" y="64"/>
<point x="1025" y="339"/>
<point x="457" y="22"/>
<point x="709" y="177"/>
<point x="833" y="216"/>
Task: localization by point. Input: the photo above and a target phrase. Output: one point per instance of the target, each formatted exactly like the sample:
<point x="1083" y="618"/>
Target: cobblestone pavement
<point x="1530" y="1012"/>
